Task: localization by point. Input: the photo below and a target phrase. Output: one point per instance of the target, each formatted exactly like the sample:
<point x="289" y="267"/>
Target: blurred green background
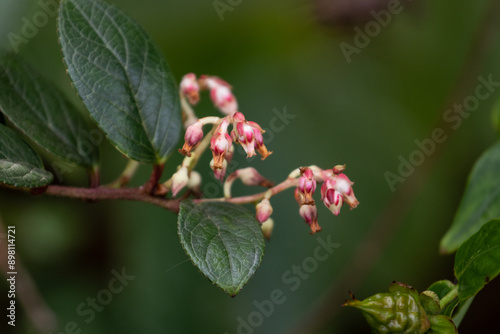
<point x="279" y="55"/>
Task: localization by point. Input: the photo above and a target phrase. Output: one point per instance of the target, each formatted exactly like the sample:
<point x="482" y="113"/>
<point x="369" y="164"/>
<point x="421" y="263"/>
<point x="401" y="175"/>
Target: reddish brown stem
<point x="288" y="183"/>
<point x="101" y="193"/>
<point x="152" y="184"/>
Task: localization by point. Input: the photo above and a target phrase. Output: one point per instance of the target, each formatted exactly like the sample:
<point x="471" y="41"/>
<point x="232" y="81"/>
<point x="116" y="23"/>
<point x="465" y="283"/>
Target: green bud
<point x="398" y="311"/>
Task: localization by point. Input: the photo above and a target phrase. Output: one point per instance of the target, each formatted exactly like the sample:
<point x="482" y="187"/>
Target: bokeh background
<point x="279" y="55"/>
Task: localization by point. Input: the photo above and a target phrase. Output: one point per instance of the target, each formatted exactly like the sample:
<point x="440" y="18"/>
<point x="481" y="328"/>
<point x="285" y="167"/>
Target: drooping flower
<point x="343" y="185"/>
<point x="220" y="144"/>
<point x="310" y="215"/>
<point x="263" y="210"/>
<point x="336" y="190"/>
<point x="179" y="180"/>
<point x="259" y="144"/>
<point x="250" y="177"/>
<point x="267" y="228"/>
<point x="219" y="173"/>
<point x="221" y="94"/>
<point x="193" y="136"/>
<point x="249" y="135"/>
<point x="307" y="186"/>
<point x="190" y="88"/>
<point x="333" y="200"/>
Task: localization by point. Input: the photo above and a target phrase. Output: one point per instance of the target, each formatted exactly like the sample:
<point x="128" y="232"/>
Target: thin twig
<point x="102" y="193"/>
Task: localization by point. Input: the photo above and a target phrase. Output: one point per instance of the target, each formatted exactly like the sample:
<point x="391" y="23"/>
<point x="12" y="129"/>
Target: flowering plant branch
<point x="142" y="114"/>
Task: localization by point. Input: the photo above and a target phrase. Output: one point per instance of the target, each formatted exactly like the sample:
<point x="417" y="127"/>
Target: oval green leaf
<point x="20" y="166"/>
<point x="223" y="240"/>
<point x="122" y="78"/>
<point x="44" y="115"/>
<point x="478" y="260"/>
<point x="480" y="203"/>
<point x="441" y="324"/>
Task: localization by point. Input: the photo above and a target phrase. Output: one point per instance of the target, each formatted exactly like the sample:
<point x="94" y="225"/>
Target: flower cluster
<point x="234" y="129"/>
<point x="248" y="134"/>
<point x="336" y="189"/>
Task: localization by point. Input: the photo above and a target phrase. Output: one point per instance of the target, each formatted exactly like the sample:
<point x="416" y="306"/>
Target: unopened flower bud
<point x="179" y="180"/>
<point x="249" y="135"/>
<point x="259" y="144"/>
<point x="310" y="215"/>
<point x="190" y="88"/>
<point x="307" y="186"/>
<point x="221" y="94"/>
<point x="219" y="173"/>
<point x="246" y="138"/>
<point x="398" y="311"/>
<point x="344" y="186"/>
<point x="220" y="144"/>
<point x="230" y="154"/>
<point x="194" y="180"/>
<point x="267" y="228"/>
<point x="250" y="177"/>
<point x="193" y="136"/>
<point x="263" y="210"/>
<point x="333" y="200"/>
<point x="224" y="100"/>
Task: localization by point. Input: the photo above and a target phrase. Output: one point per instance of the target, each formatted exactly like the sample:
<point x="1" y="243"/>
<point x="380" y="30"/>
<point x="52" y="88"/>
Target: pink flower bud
<point x="190" y="88"/>
<point x="307" y="186"/>
<point x="259" y="144"/>
<point x="249" y="135"/>
<point x="219" y="173"/>
<point x="179" y="180"/>
<point x="343" y="185"/>
<point x="224" y="100"/>
<point x="333" y="201"/>
<point x="230" y="154"/>
<point x="310" y="215"/>
<point x="250" y="177"/>
<point x="263" y="210"/>
<point x="219" y="144"/>
<point x="246" y="138"/>
<point x="193" y="136"/>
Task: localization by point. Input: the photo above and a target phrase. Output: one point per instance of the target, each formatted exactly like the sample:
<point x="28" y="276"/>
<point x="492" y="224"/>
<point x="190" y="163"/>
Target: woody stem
<point x="288" y="183"/>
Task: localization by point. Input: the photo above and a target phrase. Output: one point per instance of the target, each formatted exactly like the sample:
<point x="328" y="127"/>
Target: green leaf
<point x="20" y="166"/>
<point x="478" y="260"/>
<point x="441" y="324"/>
<point x="223" y="240"/>
<point x="42" y="113"/>
<point x="480" y="203"/>
<point x="461" y="311"/>
<point x="122" y="78"/>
